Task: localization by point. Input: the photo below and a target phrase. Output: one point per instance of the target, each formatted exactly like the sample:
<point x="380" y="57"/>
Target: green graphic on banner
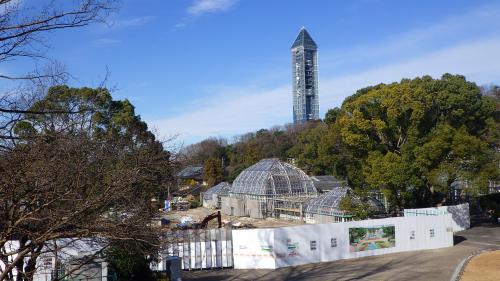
<point x="292" y="248"/>
<point x="266" y="248"/>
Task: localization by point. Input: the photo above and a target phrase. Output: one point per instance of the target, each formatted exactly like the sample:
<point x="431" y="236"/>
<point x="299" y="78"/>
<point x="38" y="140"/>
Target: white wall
<point x="292" y="245"/>
<point x="460" y="214"/>
<point x="254" y="248"/>
<point x="68" y="249"/>
<point x="299" y="239"/>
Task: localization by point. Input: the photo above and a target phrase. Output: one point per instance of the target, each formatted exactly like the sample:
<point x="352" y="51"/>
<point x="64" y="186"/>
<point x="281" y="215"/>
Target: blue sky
<point x="200" y="68"/>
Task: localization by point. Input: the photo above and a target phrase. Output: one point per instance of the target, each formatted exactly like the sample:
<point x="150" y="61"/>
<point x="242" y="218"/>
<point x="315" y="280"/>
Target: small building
<point x="191" y="173"/>
<point x="269" y="188"/>
<point x="326" y="207"/>
<point x="212" y="198"/>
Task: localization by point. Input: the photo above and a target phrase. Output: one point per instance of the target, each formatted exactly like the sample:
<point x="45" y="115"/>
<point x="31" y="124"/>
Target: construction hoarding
<point x="289" y="246"/>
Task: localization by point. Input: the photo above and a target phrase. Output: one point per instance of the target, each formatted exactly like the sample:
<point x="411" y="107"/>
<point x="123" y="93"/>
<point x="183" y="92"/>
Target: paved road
<point x="419" y="265"/>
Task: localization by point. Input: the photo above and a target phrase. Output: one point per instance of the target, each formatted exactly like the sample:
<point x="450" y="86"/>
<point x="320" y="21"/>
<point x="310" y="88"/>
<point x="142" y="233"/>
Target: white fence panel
<point x="460" y="214"/>
<point x="297" y="245"/>
<point x="254" y="248"/>
<point x="334" y="244"/>
<point x="290" y="246"/>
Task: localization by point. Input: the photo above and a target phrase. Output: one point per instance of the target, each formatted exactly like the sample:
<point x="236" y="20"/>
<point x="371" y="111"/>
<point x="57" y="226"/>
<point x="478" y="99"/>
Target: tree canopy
<point x="410" y="139"/>
<point x="88" y="171"/>
<point x="212" y="171"/>
<point x="421" y="135"/>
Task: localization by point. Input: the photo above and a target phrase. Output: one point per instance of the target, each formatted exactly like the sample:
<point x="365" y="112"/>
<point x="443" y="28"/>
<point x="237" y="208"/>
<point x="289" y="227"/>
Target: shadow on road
<point x="457" y="239"/>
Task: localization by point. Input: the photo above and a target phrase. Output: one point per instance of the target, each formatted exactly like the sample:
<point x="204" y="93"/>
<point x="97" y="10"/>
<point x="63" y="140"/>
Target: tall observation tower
<point x="305" y="78"/>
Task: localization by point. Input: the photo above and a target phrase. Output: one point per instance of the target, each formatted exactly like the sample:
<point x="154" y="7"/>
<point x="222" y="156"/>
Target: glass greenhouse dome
<point x="220" y="189"/>
<point x="329" y="203"/>
<point x="272" y="178"/>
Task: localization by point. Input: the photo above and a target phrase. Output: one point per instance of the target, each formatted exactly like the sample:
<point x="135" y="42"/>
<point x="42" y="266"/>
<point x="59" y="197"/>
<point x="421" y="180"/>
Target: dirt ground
<point x="198" y="214"/>
<point x="485" y="267"/>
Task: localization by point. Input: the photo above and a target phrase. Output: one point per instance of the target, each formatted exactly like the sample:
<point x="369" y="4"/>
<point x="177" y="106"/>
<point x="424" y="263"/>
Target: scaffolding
<point x="305" y="78"/>
<point x="289" y="208"/>
<point x="272" y="187"/>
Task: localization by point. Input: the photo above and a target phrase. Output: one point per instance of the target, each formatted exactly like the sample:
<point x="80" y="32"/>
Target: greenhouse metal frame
<point x="328" y="204"/>
<point x="213" y="196"/>
<point x="279" y="187"/>
<point x="220" y="189"/>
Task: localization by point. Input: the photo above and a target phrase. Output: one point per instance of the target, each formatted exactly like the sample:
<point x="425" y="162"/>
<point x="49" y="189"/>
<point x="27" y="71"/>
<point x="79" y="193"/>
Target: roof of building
<point x="325" y="183"/>
<point x="329" y="203"/>
<point x="304" y="40"/>
<point x="273" y="177"/>
<point x="222" y="188"/>
<point x="191" y="172"/>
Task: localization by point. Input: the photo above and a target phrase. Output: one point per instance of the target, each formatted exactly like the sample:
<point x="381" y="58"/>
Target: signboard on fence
<point x="371" y="238"/>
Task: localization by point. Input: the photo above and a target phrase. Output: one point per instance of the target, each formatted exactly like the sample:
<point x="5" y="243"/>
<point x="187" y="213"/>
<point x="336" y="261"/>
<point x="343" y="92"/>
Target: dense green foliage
<point x="359" y="209"/>
<point x="491" y="204"/>
<point x="129" y="262"/>
<point x="93" y="114"/>
<point x="213" y="172"/>
<point x="246" y="150"/>
<point x="194" y="201"/>
<point x="413" y="139"/>
<point x="410" y="140"/>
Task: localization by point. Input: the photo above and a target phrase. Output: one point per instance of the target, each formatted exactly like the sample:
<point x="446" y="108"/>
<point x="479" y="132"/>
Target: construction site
<point x="270" y="193"/>
<point x="272" y="215"/>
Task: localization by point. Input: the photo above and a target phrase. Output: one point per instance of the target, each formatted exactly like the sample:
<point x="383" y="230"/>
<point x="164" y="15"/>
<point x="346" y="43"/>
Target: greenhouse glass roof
<point x="325" y="183"/>
<point x="329" y="203"/>
<point x="222" y="188"/>
<point x="272" y="177"/>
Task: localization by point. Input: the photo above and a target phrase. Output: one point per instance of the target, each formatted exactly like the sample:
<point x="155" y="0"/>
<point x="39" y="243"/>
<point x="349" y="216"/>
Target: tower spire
<point x="304" y="39"/>
<point x="305" y="78"/>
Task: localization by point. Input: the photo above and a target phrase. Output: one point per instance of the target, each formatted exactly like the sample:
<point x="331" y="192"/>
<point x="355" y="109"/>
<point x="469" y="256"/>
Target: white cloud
<point x="482" y="20"/>
<point x="106" y="42"/>
<point x="249" y="109"/>
<point x="479" y="61"/>
<point x="229" y="113"/>
<point x="200" y="7"/>
<point x="130" y="22"/>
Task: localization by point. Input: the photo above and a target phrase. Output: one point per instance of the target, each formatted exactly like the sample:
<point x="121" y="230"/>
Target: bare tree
<point x="23" y="29"/>
<point x="74" y="164"/>
<point x="86" y="174"/>
<point x="72" y="187"/>
<point x="23" y="24"/>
